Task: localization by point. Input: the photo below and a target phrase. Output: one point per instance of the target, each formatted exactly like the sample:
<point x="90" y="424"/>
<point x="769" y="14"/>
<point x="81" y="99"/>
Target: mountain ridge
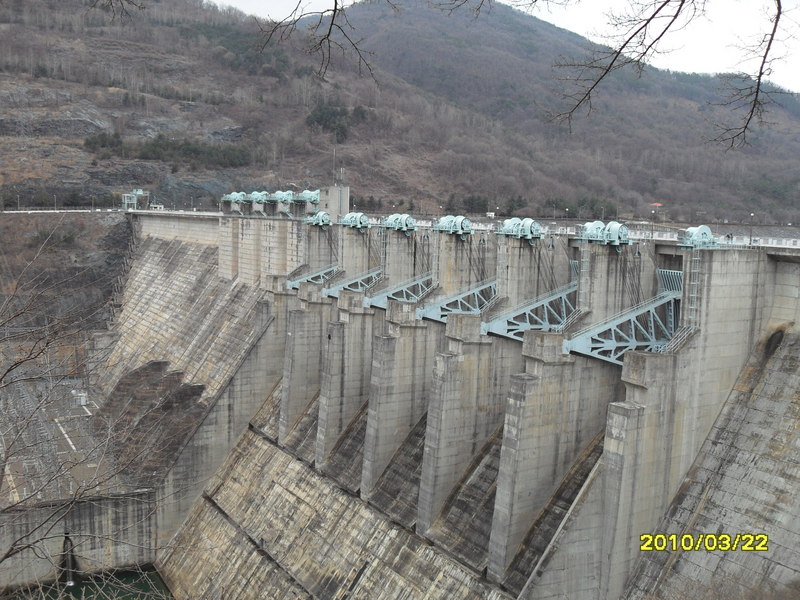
<point x="448" y="122"/>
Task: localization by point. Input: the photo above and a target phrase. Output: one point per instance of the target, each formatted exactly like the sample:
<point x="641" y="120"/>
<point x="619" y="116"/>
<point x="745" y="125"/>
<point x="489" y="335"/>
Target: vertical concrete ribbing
<point x="303" y="359"/>
<point x="526" y="271"/>
<point x="250" y="250"/>
<point x="443" y="461"/>
<point x="615" y="279"/>
<point x="284" y="246"/>
<point x="388" y="404"/>
<point x="623" y="482"/>
<point x="399" y="381"/>
<point x="522" y="487"/>
<point x="228" y="247"/>
<point x="354" y="250"/>
<point x="402" y="261"/>
<point x="346" y="371"/>
<point x="321" y="247"/>
<point x="460" y="264"/>
<point x="334" y="409"/>
<point x="467" y="405"/>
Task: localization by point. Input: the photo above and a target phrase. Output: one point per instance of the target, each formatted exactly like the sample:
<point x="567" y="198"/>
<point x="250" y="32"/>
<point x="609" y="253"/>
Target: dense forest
<point x="181" y="99"/>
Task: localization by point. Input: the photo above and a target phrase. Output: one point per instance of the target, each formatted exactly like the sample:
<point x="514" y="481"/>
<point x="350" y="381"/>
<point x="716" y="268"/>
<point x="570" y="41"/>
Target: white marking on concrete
<point x="64" y="431"/>
<point x="11" y="485"/>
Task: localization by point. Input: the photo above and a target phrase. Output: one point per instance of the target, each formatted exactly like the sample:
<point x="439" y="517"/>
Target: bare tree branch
<point x="119" y="8"/>
<point x="750" y="94"/>
<point x="641" y="32"/>
<point x="642" y="29"/>
<point x="329" y="30"/>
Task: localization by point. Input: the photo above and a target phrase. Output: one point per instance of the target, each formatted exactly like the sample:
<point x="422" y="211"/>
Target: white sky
<point x="712" y="44"/>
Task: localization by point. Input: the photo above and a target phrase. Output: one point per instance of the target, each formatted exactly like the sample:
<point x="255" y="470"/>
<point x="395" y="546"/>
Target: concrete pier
<point x="346" y="371"/>
<point x="461" y="414"/>
<point x="304" y="356"/>
<point x="399" y="390"/>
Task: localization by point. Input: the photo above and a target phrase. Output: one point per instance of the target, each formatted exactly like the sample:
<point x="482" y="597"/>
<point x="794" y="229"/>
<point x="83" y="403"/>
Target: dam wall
<point x="167" y="431"/>
<point x="194" y="228"/>
<point x="382" y="413"/>
<point x="90" y="523"/>
<point x="410" y="440"/>
<point x="743" y="480"/>
<point x="654" y="434"/>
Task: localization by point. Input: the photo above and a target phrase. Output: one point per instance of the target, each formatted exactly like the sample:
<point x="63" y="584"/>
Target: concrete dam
<point x="397" y="410"/>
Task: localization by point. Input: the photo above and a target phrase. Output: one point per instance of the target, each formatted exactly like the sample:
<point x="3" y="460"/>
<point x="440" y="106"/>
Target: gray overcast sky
<point x="711" y="45"/>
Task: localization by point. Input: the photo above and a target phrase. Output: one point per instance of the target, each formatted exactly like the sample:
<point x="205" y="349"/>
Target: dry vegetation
<point x="446" y="118"/>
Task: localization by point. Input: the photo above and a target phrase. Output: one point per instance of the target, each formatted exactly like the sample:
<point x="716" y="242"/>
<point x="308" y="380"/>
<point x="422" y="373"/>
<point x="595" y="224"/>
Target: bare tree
<point x="640" y="34"/>
<point x="119" y="8"/>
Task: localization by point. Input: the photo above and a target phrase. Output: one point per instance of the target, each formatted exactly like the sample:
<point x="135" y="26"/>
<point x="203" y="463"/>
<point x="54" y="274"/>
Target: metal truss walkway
<point x="472" y="302"/>
<point x="544" y="313"/>
<point x="318" y="277"/>
<point x="412" y="290"/>
<point x="647" y="326"/>
<point x="359" y="283"/>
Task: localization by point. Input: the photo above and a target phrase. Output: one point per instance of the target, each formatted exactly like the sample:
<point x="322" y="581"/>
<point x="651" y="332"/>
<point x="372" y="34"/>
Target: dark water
<point x="125" y="585"/>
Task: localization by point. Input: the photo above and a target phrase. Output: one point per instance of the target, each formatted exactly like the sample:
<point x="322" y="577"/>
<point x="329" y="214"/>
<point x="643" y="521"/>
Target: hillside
<point x="179" y="100"/>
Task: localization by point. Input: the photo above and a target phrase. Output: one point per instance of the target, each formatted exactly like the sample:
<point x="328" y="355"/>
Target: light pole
<point x="652" y="223"/>
<point x="751" y="229"/>
<point x="567" y="217"/>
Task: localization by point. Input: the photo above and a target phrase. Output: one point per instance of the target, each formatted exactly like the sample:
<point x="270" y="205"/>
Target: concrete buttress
<point x="398" y="391"/>
<point x="462" y="413"/>
<point x="303" y="359"/>
<point x="346" y="371"/>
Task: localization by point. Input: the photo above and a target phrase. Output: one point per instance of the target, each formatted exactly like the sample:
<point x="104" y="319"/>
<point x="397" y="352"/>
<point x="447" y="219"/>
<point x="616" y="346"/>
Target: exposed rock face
<point x="63" y="128"/>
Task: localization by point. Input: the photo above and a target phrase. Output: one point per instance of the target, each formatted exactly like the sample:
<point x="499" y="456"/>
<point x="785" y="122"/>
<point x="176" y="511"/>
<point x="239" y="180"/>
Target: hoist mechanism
<point x="355" y="220"/>
<point x="524" y="229"/>
<point x="285" y="197"/>
<point x="612" y="234"/>
<point x="698" y="237"/>
<point x="311" y="196"/>
<point x="398" y="222"/>
<point x="320" y="219"/>
<point x="236" y="199"/>
<point x="616" y="234"/>
<point x="455" y="225"/>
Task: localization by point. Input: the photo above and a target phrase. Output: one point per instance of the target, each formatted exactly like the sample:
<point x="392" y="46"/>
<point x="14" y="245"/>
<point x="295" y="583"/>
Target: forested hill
<point x="646" y="140"/>
<point x="178" y="99"/>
